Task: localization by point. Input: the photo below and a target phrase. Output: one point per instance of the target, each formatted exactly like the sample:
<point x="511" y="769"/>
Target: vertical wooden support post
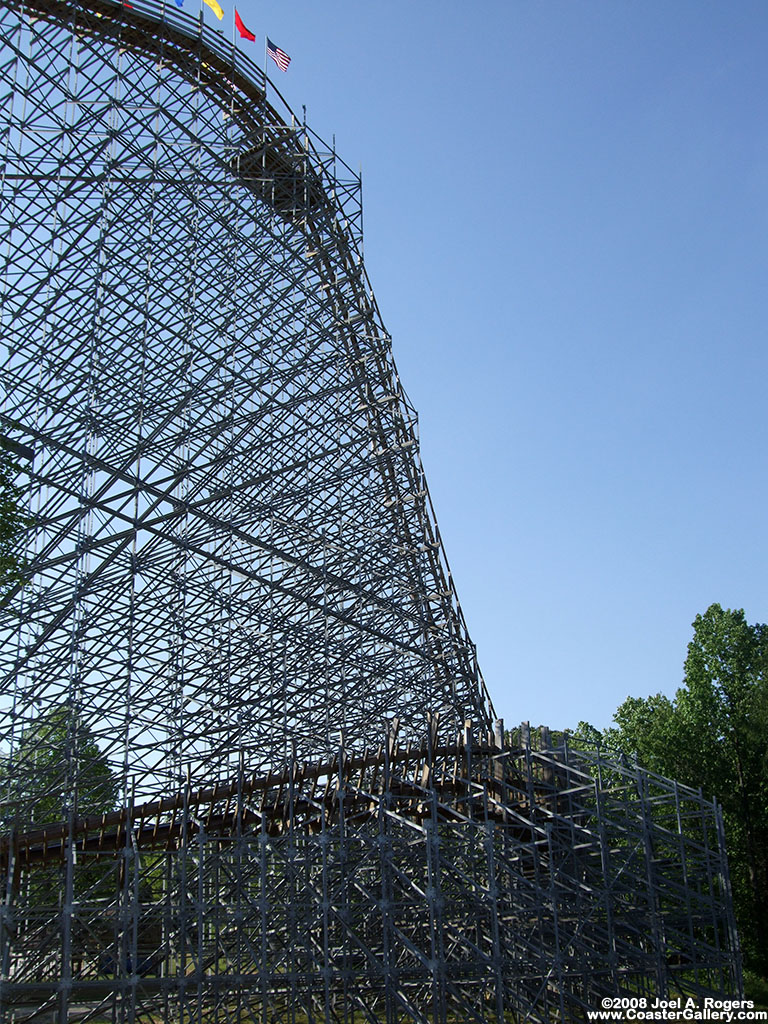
<point x="682" y="859"/>
<point x="387" y="909"/>
<point x="548" y="771"/>
<point x="657" y="930"/>
<point x="169" y="931"/>
<point x="493" y="904"/>
<point x="498" y="742"/>
<point x="327" y="969"/>
<point x="433" y="889"/>
<point x="736" y="981"/>
<point x="134" y="906"/>
<point x="606" y="889"/>
<point x="393" y="727"/>
<point x="498" y="734"/>
<point x="7" y="929"/>
<point x="557" y="953"/>
<point x="264" y="919"/>
<point x="183" y="905"/>
<point x="292" y="910"/>
<point x="428" y="770"/>
<point x="435" y="913"/>
<point x="525" y="735"/>
<point x="525" y="742"/>
<point x="343" y="874"/>
<point x="201" y="923"/>
<point x="468" y="765"/>
<point x="67" y="911"/>
<point x="240" y="889"/>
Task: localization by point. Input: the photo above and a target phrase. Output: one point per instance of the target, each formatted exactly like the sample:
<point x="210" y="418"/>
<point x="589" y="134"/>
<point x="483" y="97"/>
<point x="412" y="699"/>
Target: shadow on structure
<point x="466" y="882"/>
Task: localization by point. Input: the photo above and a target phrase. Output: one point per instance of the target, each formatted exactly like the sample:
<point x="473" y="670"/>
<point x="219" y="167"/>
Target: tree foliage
<point x="57" y="767"/>
<point x="12" y="521"/>
<point x="714" y="735"/>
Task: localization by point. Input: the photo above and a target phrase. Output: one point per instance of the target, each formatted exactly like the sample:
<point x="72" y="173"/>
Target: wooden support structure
<point x="251" y="772"/>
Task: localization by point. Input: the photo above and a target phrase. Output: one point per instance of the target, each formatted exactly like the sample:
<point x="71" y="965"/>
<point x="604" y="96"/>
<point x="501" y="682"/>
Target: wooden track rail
<point x="305" y="794"/>
<point x="275" y="168"/>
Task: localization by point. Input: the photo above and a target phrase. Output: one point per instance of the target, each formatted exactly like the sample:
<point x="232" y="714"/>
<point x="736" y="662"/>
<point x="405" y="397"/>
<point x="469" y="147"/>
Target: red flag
<point x="245" y="33"/>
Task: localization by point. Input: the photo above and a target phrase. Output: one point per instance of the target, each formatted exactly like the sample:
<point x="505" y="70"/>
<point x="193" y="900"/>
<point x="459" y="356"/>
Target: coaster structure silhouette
<point x="250" y="769"/>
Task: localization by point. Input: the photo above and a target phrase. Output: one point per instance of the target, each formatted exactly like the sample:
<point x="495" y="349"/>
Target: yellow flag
<point x="215" y="8"/>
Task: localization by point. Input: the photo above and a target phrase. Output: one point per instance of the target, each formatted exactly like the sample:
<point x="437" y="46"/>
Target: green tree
<point x="646" y="727"/>
<point x="586" y="733"/>
<point x="12" y="520"/>
<point x="723" y="713"/>
<point x="57" y="769"/>
<point x="57" y="766"/>
<point x="714" y="735"/>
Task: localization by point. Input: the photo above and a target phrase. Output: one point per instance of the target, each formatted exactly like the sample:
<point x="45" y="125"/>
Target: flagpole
<point x="234" y="58"/>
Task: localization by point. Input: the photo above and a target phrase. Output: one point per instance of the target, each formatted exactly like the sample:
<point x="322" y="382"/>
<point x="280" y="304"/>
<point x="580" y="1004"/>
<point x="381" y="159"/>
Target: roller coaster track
<point x="237" y="589"/>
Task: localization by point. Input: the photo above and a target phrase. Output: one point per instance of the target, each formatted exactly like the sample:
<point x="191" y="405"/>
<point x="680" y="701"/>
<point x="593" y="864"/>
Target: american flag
<point x="280" y="57"/>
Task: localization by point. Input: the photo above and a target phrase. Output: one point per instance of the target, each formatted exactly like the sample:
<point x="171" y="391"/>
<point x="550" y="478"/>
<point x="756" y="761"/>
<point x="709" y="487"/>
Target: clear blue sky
<point x="566" y="215"/>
